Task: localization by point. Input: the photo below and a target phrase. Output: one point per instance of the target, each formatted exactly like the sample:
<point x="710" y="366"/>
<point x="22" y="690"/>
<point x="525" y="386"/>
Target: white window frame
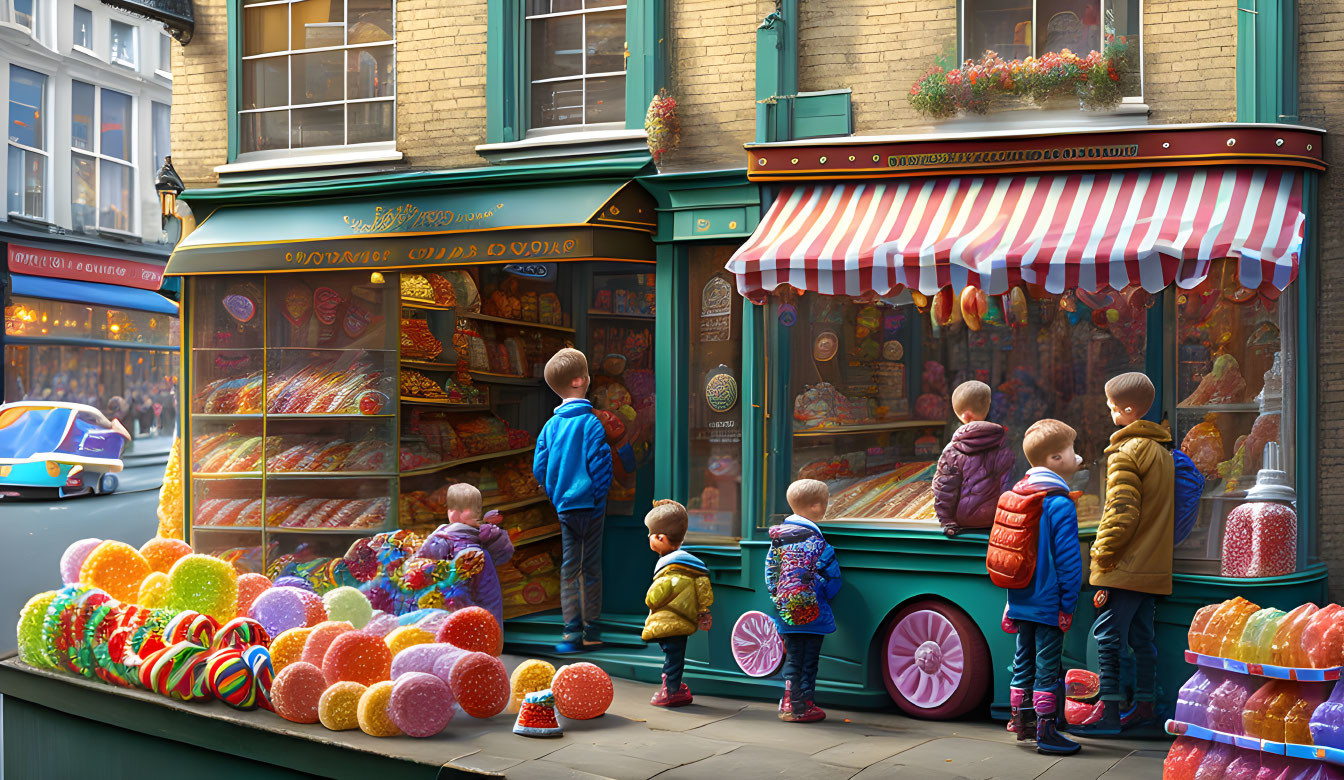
<point x="317" y="151"/>
<point x="134" y="62"/>
<point x="97" y="156"/>
<point x="89" y="32"/>
<point x="165" y="64"/>
<point x="583" y="77"/>
<point x="36" y="17"/>
<point x="154" y="134"/>
<point x="46" y="141"/>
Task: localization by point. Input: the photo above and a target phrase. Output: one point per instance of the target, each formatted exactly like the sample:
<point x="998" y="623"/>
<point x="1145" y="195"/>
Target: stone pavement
<point x="741" y="740"/>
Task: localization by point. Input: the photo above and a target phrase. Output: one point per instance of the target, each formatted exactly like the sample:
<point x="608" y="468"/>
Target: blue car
<point x="62" y="449"/>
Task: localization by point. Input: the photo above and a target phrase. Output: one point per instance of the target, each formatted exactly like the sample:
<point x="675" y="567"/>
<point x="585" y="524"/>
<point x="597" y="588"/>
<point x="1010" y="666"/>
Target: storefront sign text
<point x="409" y="218"/>
<point x="493" y="250"/>
<point x="1003" y="156"/>
<point x="84" y="268"/>
<point x="320" y="259"/>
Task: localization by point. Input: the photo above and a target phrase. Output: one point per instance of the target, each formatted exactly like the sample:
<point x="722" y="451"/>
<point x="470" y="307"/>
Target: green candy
<point x="347" y="603"/>
<point x="33" y="647"/>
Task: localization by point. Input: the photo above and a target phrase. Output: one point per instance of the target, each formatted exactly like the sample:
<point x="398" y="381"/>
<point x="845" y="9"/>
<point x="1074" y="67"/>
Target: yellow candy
<point x="407" y="636"/>
<point x="153" y="591"/>
<point x="117" y="568"/>
<point x="338" y="709"/>
<point x="288" y="647"/>
<point x="372" y="711"/>
<point x="204" y="584"/>
<point x="529" y="677"/>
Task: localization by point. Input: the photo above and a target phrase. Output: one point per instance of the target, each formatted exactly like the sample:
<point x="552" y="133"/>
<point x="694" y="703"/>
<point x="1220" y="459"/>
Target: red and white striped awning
<point x="1082" y="230"/>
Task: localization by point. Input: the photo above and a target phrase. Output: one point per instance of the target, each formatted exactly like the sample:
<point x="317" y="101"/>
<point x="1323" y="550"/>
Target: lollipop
<point x="407" y="636"/>
<point x="33" y="649"/>
<point x="240" y="633"/>
<point x="381" y="624"/>
<point x="73" y="559"/>
<point x="291" y="581"/>
<point x="338" y="709"/>
<point x="162" y="553"/>
<point x="288" y="647"/>
<point x="115" y="567"/>
<point x="258" y="660"/>
<point x="480" y="684"/>
<point x="314" y="611"/>
<point x="296" y="692"/>
<point x="348" y="604"/>
<point x="372" y="711"/>
<point x="250" y="586"/>
<point x="191" y="627"/>
<point x="582" y="691"/>
<point x="421" y="704"/>
<point x="205" y="584"/>
<point x="421" y="658"/>
<point x="473" y="629"/>
<point x="280" y="609"/>
<point x="178" y="671"/>
<point x="321" y="637"/>
<point x="530" y="676"/>
<point x="153" y="590"/>
<point x="355" y="655"/>
<point x="231" y="679"/>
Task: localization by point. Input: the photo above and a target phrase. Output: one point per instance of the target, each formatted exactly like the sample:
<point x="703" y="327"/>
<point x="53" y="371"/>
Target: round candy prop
<point x="480" y="684"/>
<point x="407" y="636"/>
<point x="288" y="647"/>
<point x="348" y="604"/>
<point x="294" y="582"/>
<point x="582" y="691"/>
<point x="314" y="611"/>
<point x="73" y="559"/>
<point x="296" y="692"/>
<point x="421" y="658"/>
<point x="240" y="633"/>
<point x="153" y="590"/>
<point x="250" y="586"/>
<point x="421" y="704"/>
<point x="117" y="568"/>
<point x="757" y="648"/>
<point x="280" y="609"/>
<point x="372" y="711"/>
<point x="162" y="553"/>
<point x="321" y="637"/>
<point x="206" y="584"/>
<point x="338" y="709"/>
<point x="231" y="679"/>
<point x="473" y="629"/>
<point x="381" y="624"/>
<point x="357" y="656"/>
<point x="33" y="649"/>
<point x="191" y="627"/>
<point x="533" y="675"/>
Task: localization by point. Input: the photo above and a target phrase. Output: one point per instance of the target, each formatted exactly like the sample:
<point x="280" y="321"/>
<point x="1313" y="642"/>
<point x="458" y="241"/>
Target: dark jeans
<point x="674" y="661"/>
<point x="1037" y="662"/>
<point x="801" y="654"/>
<point x="1126" y="620"/>
<point x="580" y="571"/>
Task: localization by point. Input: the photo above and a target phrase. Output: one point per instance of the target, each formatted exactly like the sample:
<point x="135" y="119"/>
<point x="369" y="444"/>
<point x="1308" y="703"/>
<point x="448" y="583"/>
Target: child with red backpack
<point x="803" y="576"/>
<point x="1034" y="554"/>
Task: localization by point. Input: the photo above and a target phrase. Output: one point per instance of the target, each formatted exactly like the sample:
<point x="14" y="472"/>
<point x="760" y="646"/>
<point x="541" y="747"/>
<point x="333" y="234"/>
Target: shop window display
<point x="715" y="442"/>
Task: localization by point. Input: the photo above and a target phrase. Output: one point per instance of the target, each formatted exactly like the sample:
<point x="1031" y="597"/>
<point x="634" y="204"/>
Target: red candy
<point x="480" y="683"/>
<point x="296" y="691"/>
<point x="473" y="629"/>
<point x="315" y="610"/>
<point x="359" y="657"/>
<point x="320" y="639"/>
<point x="250" y="586"/>
<point x="582" y="691"/>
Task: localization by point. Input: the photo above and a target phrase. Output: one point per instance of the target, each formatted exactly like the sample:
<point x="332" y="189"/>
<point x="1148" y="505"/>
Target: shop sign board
<point x="84" y="268"/>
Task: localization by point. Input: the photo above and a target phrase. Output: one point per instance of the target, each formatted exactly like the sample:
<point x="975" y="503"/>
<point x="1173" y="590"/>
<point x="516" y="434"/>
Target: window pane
<point x="317" y="23"/>
<point x="1003" y="26"/>
<point x="27" y="90"/>
<point x="83" y="193"/>
<point x="114" y="196"/>
<point x="162" y="121"/>
<point x="264" y="131"/>
<point x="265" y="82"/>
<point x="715" y="441"/>
<point x="557" y="47"/>
<point x="323" y="126"/>
<point x="557" y="103"/>
<point x="1121" y="27"/>
<point x="83" y="27"/>
<point x="81" y="115"/>
<point x="317" y="77"/>
<point x="370" y="21"/>
<point x="24" y="13"/>
<point x="370" y="122"/>
<point x="606" y="42"/>
<point x="535" y="7"/>
<point x="265" y="29"/>
<point x="123" y="43"/>
<point x="372" y="73"/>
<point x="606" y="100"/>
<point x="116" y="128"/>
<point x="602" y="3"/>
<point x="1068" y="24"/>
<point x="27" y="183"/>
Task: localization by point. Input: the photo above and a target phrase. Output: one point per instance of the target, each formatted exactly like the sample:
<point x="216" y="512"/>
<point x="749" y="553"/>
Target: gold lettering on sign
<point x="410" y="217"/>
<point x="1012" y="156"/>
<point x="363" y="257"/>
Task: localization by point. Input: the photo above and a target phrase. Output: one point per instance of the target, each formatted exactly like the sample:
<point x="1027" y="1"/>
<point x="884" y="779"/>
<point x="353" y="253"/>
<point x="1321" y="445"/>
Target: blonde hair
<point x="1044" y="438"/>
<point x="461" y="497"/>
<point x="808" y="493"/>
<point x="1133" y="390"/>
<point x="668" y="518"/>
<point x="973" y="396"/>
<point x="564" y="367"/>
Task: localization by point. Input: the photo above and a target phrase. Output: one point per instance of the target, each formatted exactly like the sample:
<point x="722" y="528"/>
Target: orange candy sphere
<point x="582" y="691"/>
<point x="473" y="629"/>
<point x="250" y="586"/>
<point x="296" y="692"/>
<point x="480" y="683"/>
<point x="315" y="611"/>
<point x="288" y="647"/>
<point x="117" y="568"/>
<point x="162" y="553"/>
<point x="320" y="638"/>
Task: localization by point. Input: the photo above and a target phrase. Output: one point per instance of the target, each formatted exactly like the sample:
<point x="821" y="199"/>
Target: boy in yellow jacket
<point x="678" y="600"/>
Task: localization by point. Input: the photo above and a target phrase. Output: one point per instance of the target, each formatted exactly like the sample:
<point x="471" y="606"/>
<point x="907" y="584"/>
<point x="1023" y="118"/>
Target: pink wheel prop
<point x="935" y="663"/>
<point x="757" y="648"/>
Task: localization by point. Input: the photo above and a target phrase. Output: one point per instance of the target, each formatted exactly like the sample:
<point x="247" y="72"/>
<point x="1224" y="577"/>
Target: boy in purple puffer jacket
<point x="975" y="467"/>
<point x="467" y="530"/>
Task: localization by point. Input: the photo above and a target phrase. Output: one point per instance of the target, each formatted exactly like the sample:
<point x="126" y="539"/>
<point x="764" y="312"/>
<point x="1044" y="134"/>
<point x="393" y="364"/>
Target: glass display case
<point x="715" y="412"/>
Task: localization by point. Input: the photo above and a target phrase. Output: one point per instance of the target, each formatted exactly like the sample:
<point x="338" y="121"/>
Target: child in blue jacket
<point x="1042" y="612"/>
<point x="803" y="577"/>
<point x="572" y="462"/>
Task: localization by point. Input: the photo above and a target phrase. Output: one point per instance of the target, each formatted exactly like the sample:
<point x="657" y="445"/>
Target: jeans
<point x="581" y="571"/>
<point x="1037" y="662"/>
<point x="1126" y="620"/>
<point x="674" y="661"/>
<point x="801" y="654"/>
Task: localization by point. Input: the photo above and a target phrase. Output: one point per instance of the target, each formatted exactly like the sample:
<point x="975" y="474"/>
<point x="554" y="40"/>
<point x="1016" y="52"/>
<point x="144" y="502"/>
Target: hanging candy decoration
<point x="974" y="306"/>
<point x="946" y="308"/>
<point x="922" y="301"/>
<point x="1015" y="310"/>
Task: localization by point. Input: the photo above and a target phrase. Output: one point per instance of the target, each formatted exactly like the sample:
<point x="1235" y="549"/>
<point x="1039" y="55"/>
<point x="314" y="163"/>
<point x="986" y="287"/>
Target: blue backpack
<point x="1189" y="488"/>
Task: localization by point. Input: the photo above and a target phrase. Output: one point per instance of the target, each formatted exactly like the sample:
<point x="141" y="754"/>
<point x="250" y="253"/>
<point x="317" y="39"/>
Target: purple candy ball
<point x="421" y="704"/>
<point x="73" y="559"/>
<point x="280" y="609"/>
<point x="420" y="658"/>
<point x="294" y="582"/>
<point x="381" y="624"/>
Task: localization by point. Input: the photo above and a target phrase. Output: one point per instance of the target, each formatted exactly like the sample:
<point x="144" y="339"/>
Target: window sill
<point x="1028" y="118"/>
<point x="342" y="157"/>
<point x="163" y="74"/>
<point x="576" y="144"/>
<point x="86" y="52"/>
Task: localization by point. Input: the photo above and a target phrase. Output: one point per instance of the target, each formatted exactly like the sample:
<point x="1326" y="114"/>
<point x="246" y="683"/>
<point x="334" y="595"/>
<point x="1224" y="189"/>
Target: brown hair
<point x="808" y="492"/>
<point x="564" y="367"/>
<point x="668" y="518"/>
<point x="972" y="396"/>
<point x="461" y="496"/>
<point x="1044" y="438"/>
<point x="1132" y="390"/>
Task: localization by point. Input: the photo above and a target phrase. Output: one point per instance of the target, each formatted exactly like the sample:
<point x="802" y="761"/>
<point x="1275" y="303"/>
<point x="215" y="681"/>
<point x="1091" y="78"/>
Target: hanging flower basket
<point x="662" y="125"/>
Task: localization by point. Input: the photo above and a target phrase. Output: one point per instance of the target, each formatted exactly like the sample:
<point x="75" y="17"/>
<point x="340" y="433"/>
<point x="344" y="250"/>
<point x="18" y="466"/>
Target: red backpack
<point x="1014" y="539"/>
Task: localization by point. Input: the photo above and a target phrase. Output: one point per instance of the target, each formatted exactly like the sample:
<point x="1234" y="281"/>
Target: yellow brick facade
<point x="441" y="82"/>
<point x="1190" y="60"/>
<point x="200" y="124"/>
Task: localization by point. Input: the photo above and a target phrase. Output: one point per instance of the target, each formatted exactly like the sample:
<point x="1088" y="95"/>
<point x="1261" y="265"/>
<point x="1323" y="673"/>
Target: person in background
<point x="678" y="600"/>
<point x="467" y="529"/>
<point x="975" y="467"/>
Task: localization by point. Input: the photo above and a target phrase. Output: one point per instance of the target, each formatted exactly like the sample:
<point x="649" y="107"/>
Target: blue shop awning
<point x="112" y="295"/>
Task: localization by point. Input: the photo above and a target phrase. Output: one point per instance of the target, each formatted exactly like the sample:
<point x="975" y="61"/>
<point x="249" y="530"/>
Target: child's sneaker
<point x="811" y="713"/>
<point x="569" y="647"/>
<point x="785" y="701"/>
<point x="664" y="699"/>
<point x="592" y="638"/>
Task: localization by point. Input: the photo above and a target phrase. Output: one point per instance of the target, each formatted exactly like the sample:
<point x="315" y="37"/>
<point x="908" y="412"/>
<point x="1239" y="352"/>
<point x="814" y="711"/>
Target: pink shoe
<point x="679" y="699"/>
<point x="811" y="714"/>
<point x="784" y="702"/>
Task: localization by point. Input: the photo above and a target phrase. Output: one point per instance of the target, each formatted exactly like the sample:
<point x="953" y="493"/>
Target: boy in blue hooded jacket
<point x="572" y="462"/>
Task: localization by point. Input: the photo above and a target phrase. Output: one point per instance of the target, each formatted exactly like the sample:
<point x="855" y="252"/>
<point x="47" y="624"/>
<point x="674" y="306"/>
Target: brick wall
<point x="200" y="128"/>
<point x="1190" y="60"/>
<point x="441" y="82"/>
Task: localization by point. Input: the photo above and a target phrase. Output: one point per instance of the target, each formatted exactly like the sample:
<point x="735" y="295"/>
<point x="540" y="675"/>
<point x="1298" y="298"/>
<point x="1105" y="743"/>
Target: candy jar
<point x="1256" y="645"/>
<point x="1323" y="637"/>
<point x="1260" y="536"/>
<point x="1287" y="642"/>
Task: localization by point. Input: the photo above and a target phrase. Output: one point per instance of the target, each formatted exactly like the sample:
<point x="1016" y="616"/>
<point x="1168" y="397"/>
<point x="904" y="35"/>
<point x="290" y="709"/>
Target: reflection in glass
<point x="371" y="72"/>
<point x="557" y="47"/>
<point x="83" y="193"/>
<point x="123" y="43"/>
<point x="370" y="21"/>
<point x="605" y="100"/>
<point x="324" y="126"/>
<point x="115" y="203"/>
<point x="116" y="125"/>
<point x="26" y="183"/>
<point x="605" y="49"/>
<point x="27" y="93"/>
<point x="316" y="24"/>
<point x="316" y="77"/>
<point x="371" y="122"/>
<point x="264" y="29"/>
<point x="557" y="103"/>
<point x="265" y="82"/>
<point x="81" y="115"/>
<point x="265" y="130"/>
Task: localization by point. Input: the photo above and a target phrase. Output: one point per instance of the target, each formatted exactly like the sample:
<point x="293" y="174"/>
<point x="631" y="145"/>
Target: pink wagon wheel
<point x="937" y="664"/>
<point x="757" y="648"/>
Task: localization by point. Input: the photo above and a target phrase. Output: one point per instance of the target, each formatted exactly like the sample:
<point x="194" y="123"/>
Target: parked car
<point x="53" y="449"/>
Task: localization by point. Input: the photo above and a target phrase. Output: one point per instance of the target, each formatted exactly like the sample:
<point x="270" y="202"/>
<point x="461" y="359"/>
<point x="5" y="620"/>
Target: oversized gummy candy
<point x="296" y="691"/>
<point x="338" y="709"/>
<point x="372" y="711"/>
<point x="473" y="629"/>
<point x="355" y="655"/>
<point x="582" y="691"/>
<point x="421" y="704"/>
<point x="480" y="683"/>
<point x="205" y="584"/>
<point x="117" y="568"/>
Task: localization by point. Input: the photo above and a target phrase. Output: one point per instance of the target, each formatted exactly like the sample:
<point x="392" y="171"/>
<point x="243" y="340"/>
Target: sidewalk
<point x="741" y="740"/>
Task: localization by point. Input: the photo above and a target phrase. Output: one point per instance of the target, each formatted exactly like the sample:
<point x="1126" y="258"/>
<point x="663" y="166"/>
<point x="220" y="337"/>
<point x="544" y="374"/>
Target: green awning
<point x="542" y="222"/>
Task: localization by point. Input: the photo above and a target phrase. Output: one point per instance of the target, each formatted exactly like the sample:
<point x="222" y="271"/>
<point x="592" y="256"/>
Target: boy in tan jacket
<point x="1131" y="557"/>
<point x="678" y="600"/>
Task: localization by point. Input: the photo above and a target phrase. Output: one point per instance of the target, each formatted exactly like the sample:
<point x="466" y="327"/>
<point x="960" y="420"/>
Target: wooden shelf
<point x="608" y="315"/>
<point x="542" y="533"/>
<point x="528" y="609"/>
<point x="446" y="405"/>
<point x="423" y="470"/>
<point x="504" y="379"/>
<point x="377" y="529"/>
<point x="899" y="425"/>
<point x="470" y="315"/>
<point x="519" y="504"/>
<point x="427" y="365"/>
<point x="410" y="303"/>
<point x="1244" y="408"/>
<point x="226" y="475"/>
<point x="215" y="417"/>
<point x="287" y="416"/>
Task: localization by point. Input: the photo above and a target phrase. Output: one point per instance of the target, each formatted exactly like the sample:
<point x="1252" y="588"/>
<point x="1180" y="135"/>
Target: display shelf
<point x="1245" y="408"/>
<point x="234" y="528"/>
<point x="536" y="534"/>
<point x="518" y="504"/>
<point x="1326" y="674"/>
<point x="1178" y="728"/>
<point x="447" y="405"/>
<point x="471" y="315"/>
<point x="504" y="379"/>
<point x="225" y="417"/>
<point x="330" y="474"/>
<point x="411" y="303"/>
<point x="609" y="315"/>
<point x="370" y="531"/>
<point x="226" y="475"/>
<point x="528" y="609"/>
<point x="326" y="416"/>
<point x="427" y="365"/>
<point x="898" y="425"/>
<point x="463" y="461"/>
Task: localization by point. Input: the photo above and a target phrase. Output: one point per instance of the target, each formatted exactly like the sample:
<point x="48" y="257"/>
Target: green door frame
<point x="1267" y="61"/>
